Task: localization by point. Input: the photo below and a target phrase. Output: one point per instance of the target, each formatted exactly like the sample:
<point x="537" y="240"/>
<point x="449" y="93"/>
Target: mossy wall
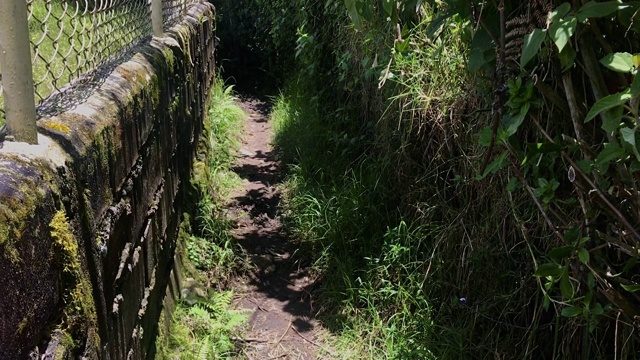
<point x="89" y="218"/>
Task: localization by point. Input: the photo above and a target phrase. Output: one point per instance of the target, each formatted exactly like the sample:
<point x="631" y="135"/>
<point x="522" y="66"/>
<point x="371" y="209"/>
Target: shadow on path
<point x="276" y="289"/>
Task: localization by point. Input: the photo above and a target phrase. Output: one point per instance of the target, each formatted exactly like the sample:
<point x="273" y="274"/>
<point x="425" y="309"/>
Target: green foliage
<point x="389" y="196"/>
<point x="203" y="330"/>
<point x="209" y="245"/>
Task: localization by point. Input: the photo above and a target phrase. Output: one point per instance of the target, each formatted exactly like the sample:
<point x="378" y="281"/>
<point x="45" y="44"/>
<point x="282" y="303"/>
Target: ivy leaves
<point x="561" y="26"/>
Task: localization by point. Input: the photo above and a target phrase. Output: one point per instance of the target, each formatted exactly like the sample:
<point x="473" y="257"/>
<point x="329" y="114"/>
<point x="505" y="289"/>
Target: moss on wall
<point x="79" y="315"/>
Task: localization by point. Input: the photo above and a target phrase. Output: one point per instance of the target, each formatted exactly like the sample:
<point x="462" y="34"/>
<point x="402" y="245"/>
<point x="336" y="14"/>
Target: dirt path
<point x="276" y="290"/>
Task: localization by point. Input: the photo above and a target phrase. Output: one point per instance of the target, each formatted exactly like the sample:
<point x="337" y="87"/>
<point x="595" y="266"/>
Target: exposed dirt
<point x="276" y="290"/>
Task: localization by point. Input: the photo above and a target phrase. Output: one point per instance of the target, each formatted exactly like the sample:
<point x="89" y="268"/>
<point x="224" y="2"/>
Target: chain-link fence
<point x="72" y="39"/>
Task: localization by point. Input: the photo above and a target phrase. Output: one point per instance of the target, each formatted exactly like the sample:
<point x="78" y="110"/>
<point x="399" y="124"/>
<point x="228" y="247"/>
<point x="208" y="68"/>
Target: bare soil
<point x="275" y="289"/>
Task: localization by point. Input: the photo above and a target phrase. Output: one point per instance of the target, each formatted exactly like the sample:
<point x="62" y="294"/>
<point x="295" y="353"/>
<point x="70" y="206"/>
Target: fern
<point x="204" y="329"/>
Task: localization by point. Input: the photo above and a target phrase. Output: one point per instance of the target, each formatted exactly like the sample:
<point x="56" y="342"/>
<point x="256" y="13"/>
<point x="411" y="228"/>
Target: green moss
<point x="55" y="126"/>
<point x="66" y="242"/>
<point x="18" y="208"/>
<point x="171" y="60"/>
<point x="79" y="311"/>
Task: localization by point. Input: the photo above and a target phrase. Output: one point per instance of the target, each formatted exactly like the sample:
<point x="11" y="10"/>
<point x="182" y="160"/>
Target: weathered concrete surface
<point x="89" y="220"/>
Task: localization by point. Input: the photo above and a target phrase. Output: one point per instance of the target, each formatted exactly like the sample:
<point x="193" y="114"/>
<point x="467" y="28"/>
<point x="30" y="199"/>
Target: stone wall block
<point x="127" y="152"/>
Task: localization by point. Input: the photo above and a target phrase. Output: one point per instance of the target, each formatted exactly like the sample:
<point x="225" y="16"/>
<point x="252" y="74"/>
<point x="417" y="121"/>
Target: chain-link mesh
<point x="174" y="10"/>
<point x="72" y="39"/>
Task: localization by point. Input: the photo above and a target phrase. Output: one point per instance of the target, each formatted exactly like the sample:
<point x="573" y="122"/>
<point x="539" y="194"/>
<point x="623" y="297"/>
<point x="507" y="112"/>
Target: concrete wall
<point x="89" y="218"/>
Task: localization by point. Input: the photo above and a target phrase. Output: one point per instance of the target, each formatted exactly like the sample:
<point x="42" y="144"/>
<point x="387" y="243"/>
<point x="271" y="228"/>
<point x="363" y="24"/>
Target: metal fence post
<point x="17" y="73"/>
<point x="156" y="18"/>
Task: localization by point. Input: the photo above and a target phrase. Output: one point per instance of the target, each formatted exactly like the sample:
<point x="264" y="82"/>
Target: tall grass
<point x="203" y="323"/>
<point x="415" y="257"/>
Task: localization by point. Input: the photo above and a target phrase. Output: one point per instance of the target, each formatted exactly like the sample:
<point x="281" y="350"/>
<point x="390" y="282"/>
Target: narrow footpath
<point x="275" y="289"/>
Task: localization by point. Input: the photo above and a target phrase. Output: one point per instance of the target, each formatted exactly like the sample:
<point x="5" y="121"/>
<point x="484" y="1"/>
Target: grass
<point x="203" y="323"/>
<point x="361" y="249"/>
<point x="414" y="255"/>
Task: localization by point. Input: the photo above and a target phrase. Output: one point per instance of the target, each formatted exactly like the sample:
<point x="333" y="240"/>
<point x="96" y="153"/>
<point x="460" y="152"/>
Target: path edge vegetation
<point x="463" y="175"/>
<point x="203" y="322"/>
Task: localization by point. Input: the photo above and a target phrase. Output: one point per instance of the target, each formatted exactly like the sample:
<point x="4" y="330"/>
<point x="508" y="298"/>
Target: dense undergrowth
<point x="463" y="175"/>
<point x="203" y="322"/>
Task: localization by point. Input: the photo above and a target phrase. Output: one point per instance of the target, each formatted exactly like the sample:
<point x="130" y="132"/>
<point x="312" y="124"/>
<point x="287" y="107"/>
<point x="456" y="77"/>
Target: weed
<point x="203" y="329"/>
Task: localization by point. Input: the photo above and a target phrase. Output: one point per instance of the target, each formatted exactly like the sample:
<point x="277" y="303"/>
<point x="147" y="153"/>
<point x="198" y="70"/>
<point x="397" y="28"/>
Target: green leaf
<point x="559" y="12"/>
<point x="513" y="184"/>
<point x="353" y="13"/>
<point x="628" y="16"/>
<point x="583" y="255"/>
<point x="571" y="236"/>
<point x="630" y="264"/>
<point x="635" y="85"/>
<point x="620" y="62"/>
<point x="561" y="31"/>
<point x="496" y="165"/>
<point x="597" y="309"/>
<point x="388" y="6"/>
<point x="566" y="288"/>
<point x="512" y="123"/>
<point x="631" y="288"/>
<point x="611" y="152"/>
<point x="548" y="269"/>
<point x="571" y="311"/>
<point x="611" y="119"/>
<point x="532" y="43"/>
<point x="560" y="253"/>
<point x="629" y="136"/>
<point x="594" y="9"/>
<point x="567" y="58"/>
<point x="608" y="102"/>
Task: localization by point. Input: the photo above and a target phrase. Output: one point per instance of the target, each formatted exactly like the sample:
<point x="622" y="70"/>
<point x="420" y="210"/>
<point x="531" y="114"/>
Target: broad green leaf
<point x="567" y="58"/>
<point x="560" y="253"/>
<point x="559" y="12"/>
<point x="628" y="16"/>
<point x="353" y="13"/>
<point x="635" y="85"/>
<point x="548" y="269"/>
<point x="631" y="288"/>
<point x="611" y="152"/>
<point x="496" y="165"/>
<point x="630" y="264"/>
<point x="583" y="255"/>
<point x="532" y="43"/>
<point x="571" y="236"/>
<point x="513" y="184"/>
<point x="611" y="119"/>
<point x="571" y="311"/>
<point x="566" y="288"/>
<point x="608" y="102"/>
<point x="476" y="60"/>
<point x="636" y="60"/>
<point x="597" y="309"/>
<point x="629" y="136"/>
<point x="388" y="6"/>
<point x="594" y="9"/>
<point x="620" y="62"/>
<point x="512" y="123"/>
<point x="562" y="31"/>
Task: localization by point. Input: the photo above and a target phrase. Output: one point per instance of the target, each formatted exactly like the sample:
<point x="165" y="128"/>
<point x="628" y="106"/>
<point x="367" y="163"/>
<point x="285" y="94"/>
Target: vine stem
<point x="593" y="186"/>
